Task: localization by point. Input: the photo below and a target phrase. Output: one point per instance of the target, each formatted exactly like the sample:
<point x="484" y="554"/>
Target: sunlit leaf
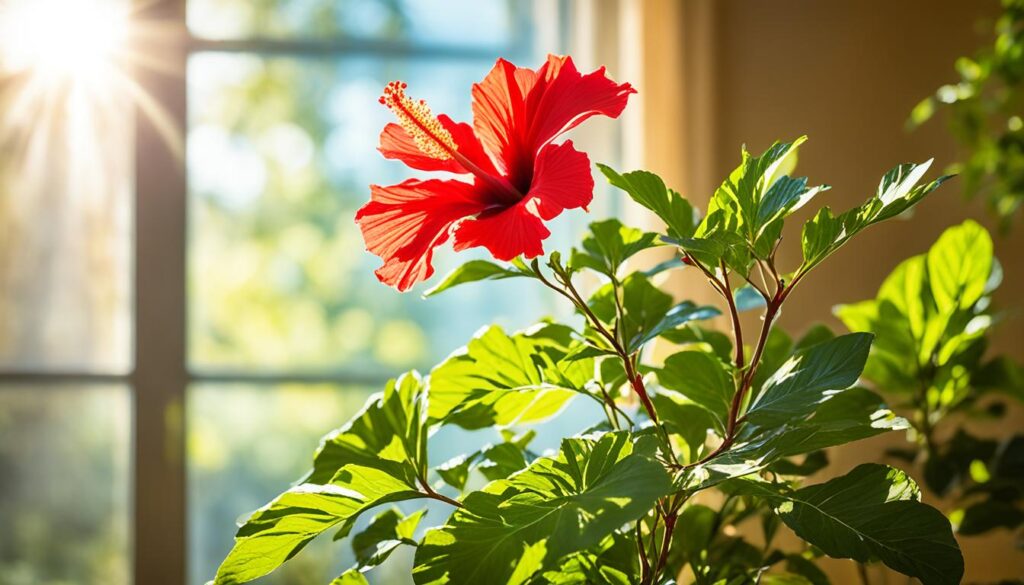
<point x="388" y="434"/>
<point x="649" y="190"/>
<point x="501" y="379"/>
<point x="279" y="530"/>
<point x="350" y="577"/>
<point x="897" y="192"/>
<point x="959" y="264"/>
<point x="375" y="459"/>
<point x="808" y="378"/>
<point x="569" y="503"/>
<point x="609" y="244"/>
<point x="478" y="270"/>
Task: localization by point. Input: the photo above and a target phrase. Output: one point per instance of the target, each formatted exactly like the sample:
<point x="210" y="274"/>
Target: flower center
<point x="416" y="118"/>
<point x="435" y="141"/>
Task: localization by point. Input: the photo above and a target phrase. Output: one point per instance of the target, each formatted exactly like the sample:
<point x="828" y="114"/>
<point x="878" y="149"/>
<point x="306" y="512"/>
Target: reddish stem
<point x="666" y="544"/>
<point x="737" y="330"/>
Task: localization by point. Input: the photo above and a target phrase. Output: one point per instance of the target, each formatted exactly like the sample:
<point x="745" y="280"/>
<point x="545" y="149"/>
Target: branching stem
<point x="430" y="493"/>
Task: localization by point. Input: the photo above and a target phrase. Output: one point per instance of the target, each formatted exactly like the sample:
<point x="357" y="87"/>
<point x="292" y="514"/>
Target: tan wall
<point x="847" y="73"/>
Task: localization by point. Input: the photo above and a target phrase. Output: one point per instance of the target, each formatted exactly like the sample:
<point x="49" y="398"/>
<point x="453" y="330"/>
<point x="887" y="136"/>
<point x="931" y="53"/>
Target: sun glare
<point x="63" y="39"/>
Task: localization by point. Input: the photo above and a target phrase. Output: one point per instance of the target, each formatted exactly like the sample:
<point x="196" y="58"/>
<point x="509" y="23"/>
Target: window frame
<point x="158" y="376"/>
<point x="161" y="377"/>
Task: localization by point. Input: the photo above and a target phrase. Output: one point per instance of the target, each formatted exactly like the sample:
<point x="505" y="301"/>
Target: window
<point x="249" y="323"/>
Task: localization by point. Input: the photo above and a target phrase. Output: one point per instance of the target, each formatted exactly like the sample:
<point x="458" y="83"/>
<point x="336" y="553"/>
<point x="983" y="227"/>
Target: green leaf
<point x="388" y="434"/>
<point x="613" y="562"/>
<point x="897" y="192"/>
<point x="350" y="577"/>
<point x="898" y="319"/>
<point x="686" y="420"/>
<point x="275" y="533"/>
<point x="477" y="270"/>
<point x="696" y="338"/>
<point x="808" y="378"/>
<point x="806" y="567"/>
<point x="815" y="334"/>
<point x="989" y="515"/>
<point x="784" y="579"/>
<point x="558" y="505"/>
<point x="502" y="380"/>
<point x="702" y="378"/>
<point x="931" y="309"/>
<point x="385" y="533"/>
<point x="455" y="471"/>
<point x="695" y="530"/>
<point x="872" y="512"/>
<point x="959" y="264"/>
<point x="649" y="190"/>
<point x="609" y="244"/>
<point x="777" y="349"/>
<point x="843" y="418"/>
<point x="375" y="459"/>
<point x="814" y="462"/>
<point x="747" y="211"/>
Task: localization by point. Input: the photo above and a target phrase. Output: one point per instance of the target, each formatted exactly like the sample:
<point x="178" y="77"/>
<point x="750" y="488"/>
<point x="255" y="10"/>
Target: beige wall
<point x="847" y="73"/>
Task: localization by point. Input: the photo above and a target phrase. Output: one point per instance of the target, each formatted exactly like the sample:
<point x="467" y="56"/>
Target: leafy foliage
<point x="556" y="506"/>
<point x="984" y="107"/>
<point x="873" y="511"/>
<point x="931" y="319"/>
<point x="614" y="505"/>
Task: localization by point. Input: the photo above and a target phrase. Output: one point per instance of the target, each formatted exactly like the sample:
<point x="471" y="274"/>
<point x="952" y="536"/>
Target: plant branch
<point x="568" y="290"/>
<point x="747" y="380"/>
<point x="666" y="544"/>
<point x="430" y="493"/>
<point x="737" y="329"/>
<point x="645" y="565"/>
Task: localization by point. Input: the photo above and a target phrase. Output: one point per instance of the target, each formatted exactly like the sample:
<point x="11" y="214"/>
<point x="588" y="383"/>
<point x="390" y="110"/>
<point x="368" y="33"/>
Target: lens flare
<point x="62" y="39"/>
<point x="70" y="100"/>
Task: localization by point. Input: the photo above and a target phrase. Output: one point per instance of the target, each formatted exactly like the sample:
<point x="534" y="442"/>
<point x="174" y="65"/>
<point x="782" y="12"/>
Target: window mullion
<point x="159" y="378"/>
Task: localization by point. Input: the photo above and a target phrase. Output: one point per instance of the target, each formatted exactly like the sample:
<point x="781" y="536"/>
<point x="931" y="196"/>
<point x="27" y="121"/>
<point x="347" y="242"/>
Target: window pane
<point x="246" y="444"/>
<point x="463" y="23"/>
<point x="65" y="191"/>
<point x="64" y="485"/>
<point x="281" y="153"/>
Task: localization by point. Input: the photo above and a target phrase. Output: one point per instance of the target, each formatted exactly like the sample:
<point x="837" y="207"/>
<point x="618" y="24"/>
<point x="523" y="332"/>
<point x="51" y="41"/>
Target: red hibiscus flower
<point x="516" y="178"/>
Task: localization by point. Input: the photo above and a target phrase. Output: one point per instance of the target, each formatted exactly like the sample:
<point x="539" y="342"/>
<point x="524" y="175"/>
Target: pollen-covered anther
<point x="416" y="118"/>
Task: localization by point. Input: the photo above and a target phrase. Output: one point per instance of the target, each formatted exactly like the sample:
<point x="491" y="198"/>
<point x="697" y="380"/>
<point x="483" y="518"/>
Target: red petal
<point x="561" y="180"/>
<point x="565" y="98"/>
<point x="506" y="234"/>
<point x="403" y="224"/>
<point x="395" y="143"/>
<point x="499" y="108"/>
<point x="468" y="144"/>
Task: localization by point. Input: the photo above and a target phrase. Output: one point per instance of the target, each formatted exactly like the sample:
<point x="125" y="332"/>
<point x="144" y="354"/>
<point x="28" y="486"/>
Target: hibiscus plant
<point x="721" y="432"/>
<point x="931" y="320"/>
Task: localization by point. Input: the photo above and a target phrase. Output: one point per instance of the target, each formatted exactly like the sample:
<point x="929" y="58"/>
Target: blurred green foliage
<point x="64" y="479"/>
<point x="932" y="319"/>
<point x="985" y="108"/>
